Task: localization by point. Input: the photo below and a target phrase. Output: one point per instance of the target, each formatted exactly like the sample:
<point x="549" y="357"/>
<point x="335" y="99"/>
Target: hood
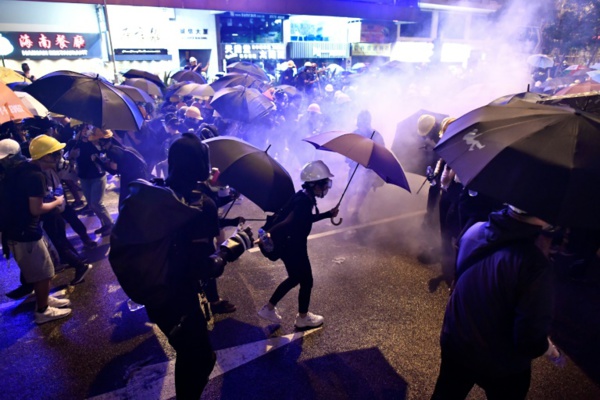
<point x="501" y="227"/>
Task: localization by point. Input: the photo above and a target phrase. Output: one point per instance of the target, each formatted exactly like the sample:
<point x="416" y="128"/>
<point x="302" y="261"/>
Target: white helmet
<point x="315" y="171"/>
<point x="425" y="124"/>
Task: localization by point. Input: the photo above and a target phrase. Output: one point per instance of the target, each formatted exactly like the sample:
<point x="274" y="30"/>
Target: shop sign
<point x="318" y="50"/>
<point x="54" y="45"/>
<point x="122" y="52"/>
<point x="254" y="51"/>
<point x="193" y="33"/>
<point x="254" y="15"/>
<point x="371" y="49"/>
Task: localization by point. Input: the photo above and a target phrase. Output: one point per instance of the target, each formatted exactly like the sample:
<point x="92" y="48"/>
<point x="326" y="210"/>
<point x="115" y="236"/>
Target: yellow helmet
<point x="425" y="124"/>
<point x="447" y="121"/>
<point x="43" y="145"/>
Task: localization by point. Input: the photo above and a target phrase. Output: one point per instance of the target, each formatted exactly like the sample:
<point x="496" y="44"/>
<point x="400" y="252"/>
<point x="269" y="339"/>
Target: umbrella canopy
<point x="594" y="75"/>
<point x="195" y="89"/>
<point x="584" y="87"/>
<point x="335" y="69"/>
<point x="246" y="67"/>
<point x="589" y="102"/>
<point x="364" y="151"/>
<point x="542" y="159"/>
<point x="523" y="96"/>
<point x="291" y="91"/>
<point x="147" y="86"/>
<point x="136" y="94"/>
<point x="136" y="73"/>
<point x="251" y="171"/>
<point x="11" y="107"/>
<point x="358" y="66"/>
<point x="540" y="61"/>
<point x="241" y="104"/>
<point x="235" y="79"/>
<point x="87" y="99"/>
<point x="187" y="75"/>
<point x="8" y="75"/>
<point x="35" y="107"/>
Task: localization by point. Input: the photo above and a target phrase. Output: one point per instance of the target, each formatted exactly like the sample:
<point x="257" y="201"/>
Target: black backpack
<point x="271" y="221"/>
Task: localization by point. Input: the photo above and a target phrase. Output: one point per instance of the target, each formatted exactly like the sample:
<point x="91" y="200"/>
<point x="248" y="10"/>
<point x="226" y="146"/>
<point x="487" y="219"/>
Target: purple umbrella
<point x="365" y="152"/>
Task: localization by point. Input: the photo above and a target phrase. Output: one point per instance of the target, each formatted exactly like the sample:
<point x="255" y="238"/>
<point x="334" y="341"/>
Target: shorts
<point x="33" y="259"/>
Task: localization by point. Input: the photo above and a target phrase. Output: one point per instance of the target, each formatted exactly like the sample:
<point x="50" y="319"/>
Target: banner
<point x="53" y="45"/>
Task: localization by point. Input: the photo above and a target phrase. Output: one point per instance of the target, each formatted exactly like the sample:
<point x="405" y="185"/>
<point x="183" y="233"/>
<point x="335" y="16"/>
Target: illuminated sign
<point x="193" y="33"/>
<point x="43" y="45"/>
<point x="254" y="15"/>
<point x="254" y="51"/>
<point x="371" y="49"/>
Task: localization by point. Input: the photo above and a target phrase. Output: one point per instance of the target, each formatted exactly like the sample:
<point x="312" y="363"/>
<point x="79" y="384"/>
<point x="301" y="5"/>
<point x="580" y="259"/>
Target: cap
<point x="9" y="147"/>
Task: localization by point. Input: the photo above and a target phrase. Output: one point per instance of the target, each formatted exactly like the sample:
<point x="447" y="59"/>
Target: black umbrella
<point x="542" y="159"/>
<point x="136" y="73"/>
<point x="241" y="104"/>
<point x="187" y="75"/>
<point x="87" y="99"/>
<point x="246" y="67"/>
<point x="291" y="91"/>
<point x="147" y="86"/>
<point x="523" y="96"/>
<point x="235" y="79"/>
<point x="251" y="171"/>
<point x="136" y="94"/>
<point x="589" y="102"/>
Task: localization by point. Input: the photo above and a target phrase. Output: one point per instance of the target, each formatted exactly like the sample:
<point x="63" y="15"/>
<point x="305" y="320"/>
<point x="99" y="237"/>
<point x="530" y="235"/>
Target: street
<point x="379" y="340"/>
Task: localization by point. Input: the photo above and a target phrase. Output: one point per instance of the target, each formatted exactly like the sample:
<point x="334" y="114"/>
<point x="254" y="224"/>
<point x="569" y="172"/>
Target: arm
<point x="37" y="207"/>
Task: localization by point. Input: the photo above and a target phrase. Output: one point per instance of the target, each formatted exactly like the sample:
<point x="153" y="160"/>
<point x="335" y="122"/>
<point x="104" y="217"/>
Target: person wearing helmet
<point x="27" y="187"/>
<point x="46" y="152"/>
<point x="291" y="234"/>
<point x="306" y="79"/>
<point x="193" y="118"/>
<point x="287" y="76"/>
<point x="92" y="175"/>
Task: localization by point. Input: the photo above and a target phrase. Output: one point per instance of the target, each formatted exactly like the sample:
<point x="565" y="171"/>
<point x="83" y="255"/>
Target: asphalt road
<point x="379" y="340"/>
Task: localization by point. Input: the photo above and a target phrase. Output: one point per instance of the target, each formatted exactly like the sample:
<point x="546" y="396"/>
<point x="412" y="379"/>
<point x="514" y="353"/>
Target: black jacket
<point x="498" y="317"/>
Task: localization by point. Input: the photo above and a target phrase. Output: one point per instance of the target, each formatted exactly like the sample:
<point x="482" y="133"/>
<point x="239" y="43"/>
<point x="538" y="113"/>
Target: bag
<point x="272" y="220"/>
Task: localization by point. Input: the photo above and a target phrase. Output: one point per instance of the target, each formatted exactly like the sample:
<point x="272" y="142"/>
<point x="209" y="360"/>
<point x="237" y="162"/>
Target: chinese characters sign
<point x="371" y="49"/>
<point x="42" y="45"/>
<point x="255" y="51"/>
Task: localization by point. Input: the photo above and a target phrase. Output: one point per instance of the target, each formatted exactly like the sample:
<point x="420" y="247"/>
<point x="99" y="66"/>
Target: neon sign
<point x="54" y="44"/>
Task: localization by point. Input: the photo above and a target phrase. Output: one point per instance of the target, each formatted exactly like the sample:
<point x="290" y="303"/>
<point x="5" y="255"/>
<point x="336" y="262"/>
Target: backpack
<point x="271" y="221"/>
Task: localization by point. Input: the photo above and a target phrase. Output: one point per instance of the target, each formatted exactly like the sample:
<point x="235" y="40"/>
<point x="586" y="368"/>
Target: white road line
<point x="359" y="226"/>
<point x="157" y="381"/>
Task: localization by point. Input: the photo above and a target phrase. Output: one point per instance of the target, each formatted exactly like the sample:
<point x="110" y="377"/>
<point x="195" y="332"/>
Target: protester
<point x="292" y="233"/>
<point x="287" y="76"/>
<point x="26" y="185"/>
<point x="498" y="317"/>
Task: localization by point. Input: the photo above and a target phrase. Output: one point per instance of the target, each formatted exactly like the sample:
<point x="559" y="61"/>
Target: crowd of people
<point x="55" y="168"/>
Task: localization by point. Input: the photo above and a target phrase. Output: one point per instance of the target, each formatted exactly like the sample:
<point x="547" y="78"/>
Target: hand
<point x="554" y="355"/>
<point x="240" y="220"/>
<point x="60" y="200"/>
<point x="334" y="211"/>
<point x="94" y="157"/>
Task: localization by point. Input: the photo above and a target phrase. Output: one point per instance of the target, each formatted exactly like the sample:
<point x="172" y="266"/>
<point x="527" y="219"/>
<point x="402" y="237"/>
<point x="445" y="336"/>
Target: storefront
<point x="375" y="42"/>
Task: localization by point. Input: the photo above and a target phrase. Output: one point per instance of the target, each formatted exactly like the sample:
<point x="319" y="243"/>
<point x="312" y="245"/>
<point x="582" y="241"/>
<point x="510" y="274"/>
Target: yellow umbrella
<point x="11" y="107"/>
<point x="8" y="75"/>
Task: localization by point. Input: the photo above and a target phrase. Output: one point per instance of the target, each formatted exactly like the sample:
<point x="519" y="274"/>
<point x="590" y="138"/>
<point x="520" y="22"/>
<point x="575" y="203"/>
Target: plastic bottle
<point x="58" y="191"/>
<point x="431" y="176"/>
<point x="266" y="241"/>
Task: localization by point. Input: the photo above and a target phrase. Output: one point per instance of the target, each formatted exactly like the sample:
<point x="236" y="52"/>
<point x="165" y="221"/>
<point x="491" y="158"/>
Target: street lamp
<point x="5" y="48"/>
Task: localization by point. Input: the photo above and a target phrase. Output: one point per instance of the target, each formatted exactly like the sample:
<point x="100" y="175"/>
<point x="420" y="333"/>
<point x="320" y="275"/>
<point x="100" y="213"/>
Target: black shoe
<point x="90" y="244"/>
<point x="80" y="273"/>
<point x="21" y="291"/>
<point x="222" y="307"/>
<point x="104" y="230"/>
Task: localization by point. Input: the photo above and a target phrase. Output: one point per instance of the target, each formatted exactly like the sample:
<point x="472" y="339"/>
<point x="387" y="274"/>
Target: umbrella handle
<point x="337" y="223"/>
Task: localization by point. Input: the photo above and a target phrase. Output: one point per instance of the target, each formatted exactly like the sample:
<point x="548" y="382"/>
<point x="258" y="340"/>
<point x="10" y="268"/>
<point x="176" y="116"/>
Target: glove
<point x="232" y="248"/>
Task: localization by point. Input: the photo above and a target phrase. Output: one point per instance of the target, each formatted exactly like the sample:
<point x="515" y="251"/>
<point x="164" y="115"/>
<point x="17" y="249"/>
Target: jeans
<point x="299" y="272"/>
<point x="93" y="190"/>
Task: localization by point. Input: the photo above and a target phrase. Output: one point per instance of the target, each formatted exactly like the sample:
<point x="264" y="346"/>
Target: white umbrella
<point x="540" y="61"/>
<point x="594" y="75"/>
<point x="32" y="104"/>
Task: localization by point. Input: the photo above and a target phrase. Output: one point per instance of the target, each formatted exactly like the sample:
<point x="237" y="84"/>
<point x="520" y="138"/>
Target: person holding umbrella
<point x="291" y="234"/>
<point x="498" y="317"/>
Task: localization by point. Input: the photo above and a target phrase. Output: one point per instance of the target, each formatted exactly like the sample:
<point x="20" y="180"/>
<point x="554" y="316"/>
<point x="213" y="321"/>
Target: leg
<point x="514" y="386"/>
<point x="454" y="381"/>
<point x="42" y="291"/>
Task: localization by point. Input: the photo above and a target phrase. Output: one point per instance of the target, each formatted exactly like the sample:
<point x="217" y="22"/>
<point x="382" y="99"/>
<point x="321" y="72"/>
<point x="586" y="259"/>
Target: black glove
<point x="232" y="248"/>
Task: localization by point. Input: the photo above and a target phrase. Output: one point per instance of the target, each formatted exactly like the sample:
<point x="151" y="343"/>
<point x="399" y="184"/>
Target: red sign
<point x="54" y="44"/>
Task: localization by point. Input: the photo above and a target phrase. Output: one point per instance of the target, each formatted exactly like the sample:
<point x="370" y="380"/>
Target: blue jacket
<point x="499" y="315"/>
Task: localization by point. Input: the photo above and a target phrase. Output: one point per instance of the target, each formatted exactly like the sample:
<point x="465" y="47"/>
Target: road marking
<point x="353" y="227"/>
<point x="157" y="381"/>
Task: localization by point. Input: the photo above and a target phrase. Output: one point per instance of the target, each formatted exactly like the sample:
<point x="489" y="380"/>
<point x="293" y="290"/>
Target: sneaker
<point x="90" y="244"/>
<point x="51" y="314"/>
<point x="222" y="307"/>
<point x="58" y="303"/>
<point x="310" y="321"/>
<point x="80" y="273"/>
<point x="270" y="315"/>
<point x="21" y="291"/>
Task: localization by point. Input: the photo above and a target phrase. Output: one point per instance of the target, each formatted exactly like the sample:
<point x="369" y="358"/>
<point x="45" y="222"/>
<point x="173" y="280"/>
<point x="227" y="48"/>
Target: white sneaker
<point x="51" y="314"/>
<point x="270" y="315"/>
<point x="58" y="303"/>
<point x="310" y="321"/>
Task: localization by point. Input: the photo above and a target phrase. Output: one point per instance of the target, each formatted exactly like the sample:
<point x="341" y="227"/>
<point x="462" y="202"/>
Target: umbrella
<point x="540" y="61"/>
<point x="8" y="75"/>
<point x="187" y="75"/>
<point x="136" y="73"/>
<point x="136" y="94"/>
<point x="35" y="107"/>
<point x="542" y="159"/>
<point x="241" y="104"/>
<point x="251" y="171"/>
<point x="246" y="67"/>
<point x="523" y="96"/>
<point x="147" y="86"/>
<point x="195" y="89"/>
<point x="87" y="99"/>
<point x="558" y="83"/>
<point x="413" y="151"/>
<point x="584" y="87"/>
<point x="594" y="75"/>
<point x="335" y="69"/>
<point x="589" y="102"/>
<point x="358" y="66"/>
<point x="291" y="91"/>
<point x="11" y="107"/>
<point x="235" y="79"/>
